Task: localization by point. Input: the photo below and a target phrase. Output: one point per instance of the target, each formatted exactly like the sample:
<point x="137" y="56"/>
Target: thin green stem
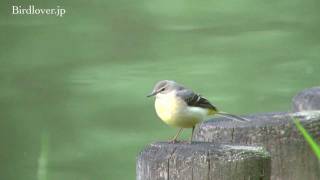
<point x="313" y="144"/>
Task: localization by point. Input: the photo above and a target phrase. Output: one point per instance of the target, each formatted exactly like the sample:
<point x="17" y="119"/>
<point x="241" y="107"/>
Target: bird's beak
<point x="152" y="94"/>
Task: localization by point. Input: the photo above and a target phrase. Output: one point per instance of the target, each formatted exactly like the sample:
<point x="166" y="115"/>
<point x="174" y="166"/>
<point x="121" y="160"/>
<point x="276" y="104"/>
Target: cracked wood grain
<point x="202" y="161"/>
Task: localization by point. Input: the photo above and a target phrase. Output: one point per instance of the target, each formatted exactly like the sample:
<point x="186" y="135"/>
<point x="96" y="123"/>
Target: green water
<point x="72" y="89"/>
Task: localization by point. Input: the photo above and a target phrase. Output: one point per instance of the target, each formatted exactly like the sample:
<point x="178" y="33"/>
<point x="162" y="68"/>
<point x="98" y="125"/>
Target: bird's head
<point x="164" y="87"/>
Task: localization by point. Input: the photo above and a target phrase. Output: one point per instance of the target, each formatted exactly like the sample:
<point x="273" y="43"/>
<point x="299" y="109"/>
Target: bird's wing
<point x="193" y="99"/>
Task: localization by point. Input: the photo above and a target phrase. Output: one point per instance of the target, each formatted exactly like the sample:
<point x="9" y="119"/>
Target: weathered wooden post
<point x="202" y="161"/>
<point x="291" y="156"/>
<point x="307" y="100"/>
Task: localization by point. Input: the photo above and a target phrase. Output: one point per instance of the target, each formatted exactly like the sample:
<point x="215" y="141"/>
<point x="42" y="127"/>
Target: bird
<point x="181" y="107"/>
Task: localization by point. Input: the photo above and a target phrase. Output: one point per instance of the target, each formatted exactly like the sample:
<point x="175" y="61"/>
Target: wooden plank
<point x="292" y="158"/>
<point x="202" y="161"/>
<point x="306" y="100"/>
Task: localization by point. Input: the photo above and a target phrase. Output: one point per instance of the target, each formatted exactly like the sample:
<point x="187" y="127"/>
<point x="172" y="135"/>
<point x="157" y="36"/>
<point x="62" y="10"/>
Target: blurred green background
<point x="72" y="88"/>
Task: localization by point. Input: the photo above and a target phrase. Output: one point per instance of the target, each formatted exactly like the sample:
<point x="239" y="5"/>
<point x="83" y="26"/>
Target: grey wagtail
<point x="181" y="107"/>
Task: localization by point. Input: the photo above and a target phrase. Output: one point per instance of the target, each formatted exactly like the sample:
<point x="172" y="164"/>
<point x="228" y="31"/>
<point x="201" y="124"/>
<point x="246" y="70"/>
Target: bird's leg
<point x="174" y="139"/>
<point x="191" y="138"/>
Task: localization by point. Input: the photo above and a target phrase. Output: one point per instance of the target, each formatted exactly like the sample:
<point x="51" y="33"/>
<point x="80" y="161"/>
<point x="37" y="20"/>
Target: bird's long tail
<point x="232" y="116"/>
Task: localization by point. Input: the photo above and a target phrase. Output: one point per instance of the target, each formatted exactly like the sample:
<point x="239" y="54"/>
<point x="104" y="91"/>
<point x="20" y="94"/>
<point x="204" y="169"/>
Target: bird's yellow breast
<point x="175" y="112"/>
<point x="167" y="106"/>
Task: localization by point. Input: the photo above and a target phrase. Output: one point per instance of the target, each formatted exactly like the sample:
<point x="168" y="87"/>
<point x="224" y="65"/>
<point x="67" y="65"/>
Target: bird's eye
<point x="162" y="89"/>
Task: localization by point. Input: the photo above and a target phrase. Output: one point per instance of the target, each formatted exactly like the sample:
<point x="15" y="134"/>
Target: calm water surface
<point x="72" y="89"/>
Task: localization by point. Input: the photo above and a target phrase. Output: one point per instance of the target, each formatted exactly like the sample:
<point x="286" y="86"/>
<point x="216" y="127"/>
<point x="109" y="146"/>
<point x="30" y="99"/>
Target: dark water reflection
<point x="72" y="92"/>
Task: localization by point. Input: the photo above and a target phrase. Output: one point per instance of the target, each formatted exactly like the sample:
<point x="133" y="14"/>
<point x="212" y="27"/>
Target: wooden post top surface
<point x="308" y="99"/>
<point x="202" y="161"/>
<point x="222" y="151"/>
<point x="264" y="119"/>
